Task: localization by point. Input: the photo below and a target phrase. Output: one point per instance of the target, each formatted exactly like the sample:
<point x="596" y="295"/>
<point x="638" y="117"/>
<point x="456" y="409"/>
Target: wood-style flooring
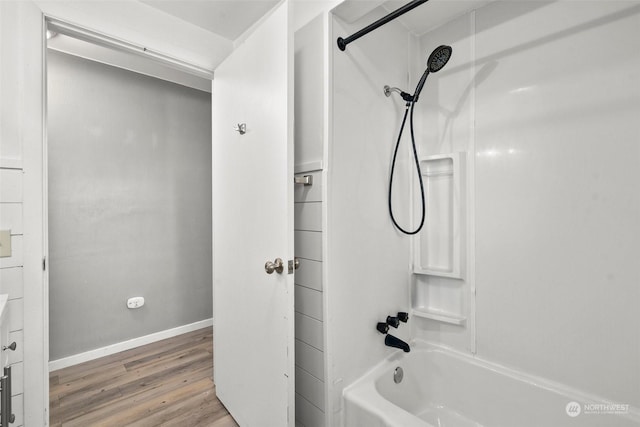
<point x="166" y="383"/>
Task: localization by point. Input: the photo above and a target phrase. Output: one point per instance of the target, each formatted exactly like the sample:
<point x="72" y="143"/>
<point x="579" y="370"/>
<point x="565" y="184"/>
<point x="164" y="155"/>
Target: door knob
<point x="11" y="347"/>
<point x="277" y="265"/>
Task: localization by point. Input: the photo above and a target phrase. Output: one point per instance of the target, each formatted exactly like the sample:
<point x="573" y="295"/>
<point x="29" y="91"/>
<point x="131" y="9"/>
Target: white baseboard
<point x="76" y="359"/>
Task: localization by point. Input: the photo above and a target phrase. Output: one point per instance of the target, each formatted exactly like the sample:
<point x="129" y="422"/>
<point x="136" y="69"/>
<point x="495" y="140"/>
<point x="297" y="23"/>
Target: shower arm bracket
<point x="388" y="90"/>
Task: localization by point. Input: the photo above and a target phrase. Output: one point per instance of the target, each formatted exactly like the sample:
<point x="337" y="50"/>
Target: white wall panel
<point x="308" y="414"/>
<point x="310" y="359"/>
<point x="308" y="301"/>
<point x="11" y="282"/>
<point x="557" y="178"/>
<point x="308" y="216"/>
<point x="309" y="139"/>
<point x="558" y="193"/>
<point x="309" y="92"/>
<point x="309" y="274"/>
<point x="309" y="193"/>
<point x="15" y="260"/>
<point x="309" y="330"/>
<point x="10" y="141"/>
<point x="17" y="378"/>
<point x="368" y="259"/>
<point x="10" y="185"/>
<point x="309" y="245"/>
<point x="16" y="314"/>
<point x="310" y="388"/>
<point x="11" y="217"/>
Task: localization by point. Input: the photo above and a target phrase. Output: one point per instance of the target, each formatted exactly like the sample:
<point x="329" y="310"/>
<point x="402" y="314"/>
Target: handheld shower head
<point x="439" y="58"/>
<point x="436" y="62"/>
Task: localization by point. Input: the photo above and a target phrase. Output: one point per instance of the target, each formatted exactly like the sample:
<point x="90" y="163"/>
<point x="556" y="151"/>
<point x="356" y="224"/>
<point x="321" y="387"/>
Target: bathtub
<point x="445" y="388"/>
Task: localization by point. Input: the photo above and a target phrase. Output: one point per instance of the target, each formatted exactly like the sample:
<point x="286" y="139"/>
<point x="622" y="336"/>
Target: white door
<point x="253" y="224"/>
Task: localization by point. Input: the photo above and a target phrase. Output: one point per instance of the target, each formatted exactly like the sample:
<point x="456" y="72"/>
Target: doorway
<point x="129" y="201"/>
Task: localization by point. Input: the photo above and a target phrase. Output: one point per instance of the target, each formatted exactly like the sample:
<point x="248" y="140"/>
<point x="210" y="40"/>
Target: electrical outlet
<point x="5" y="243"/>
<point x="135" y="302"/>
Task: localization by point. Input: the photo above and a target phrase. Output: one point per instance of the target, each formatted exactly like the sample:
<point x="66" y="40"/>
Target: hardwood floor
<point x="166" y="383"/>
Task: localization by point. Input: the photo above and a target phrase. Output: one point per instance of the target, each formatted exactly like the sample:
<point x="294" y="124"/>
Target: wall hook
<point x="241" y="128"/>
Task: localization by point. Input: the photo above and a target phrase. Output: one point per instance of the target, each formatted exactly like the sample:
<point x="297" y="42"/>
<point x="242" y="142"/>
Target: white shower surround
<point x="550" y="288"/>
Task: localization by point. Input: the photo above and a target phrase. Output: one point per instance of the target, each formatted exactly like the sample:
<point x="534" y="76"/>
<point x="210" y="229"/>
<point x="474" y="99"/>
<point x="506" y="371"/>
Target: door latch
<point x="294" y="264"/>
<point x="304" y="180"/>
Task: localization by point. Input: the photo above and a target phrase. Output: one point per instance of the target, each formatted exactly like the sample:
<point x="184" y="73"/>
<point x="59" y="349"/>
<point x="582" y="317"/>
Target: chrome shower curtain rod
<point x="342" y="43"/>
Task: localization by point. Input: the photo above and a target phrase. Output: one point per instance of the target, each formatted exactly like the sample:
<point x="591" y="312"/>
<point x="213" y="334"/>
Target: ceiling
<point x="432" y="14"/>
<point x="226" y="18"/>
<point x="231" y="18"/>
<point x="418" y="21"/>
<point x="205" y="32"/>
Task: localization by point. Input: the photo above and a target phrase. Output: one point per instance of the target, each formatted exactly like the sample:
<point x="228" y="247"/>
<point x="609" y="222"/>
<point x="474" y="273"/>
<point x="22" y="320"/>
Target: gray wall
<point x="129" y="204"/>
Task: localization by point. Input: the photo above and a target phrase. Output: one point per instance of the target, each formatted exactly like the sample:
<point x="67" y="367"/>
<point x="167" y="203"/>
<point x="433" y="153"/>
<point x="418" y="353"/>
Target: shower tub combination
<point x="441" y="387"/>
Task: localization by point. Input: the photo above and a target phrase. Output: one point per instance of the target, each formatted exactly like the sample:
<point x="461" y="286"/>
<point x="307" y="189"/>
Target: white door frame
<point x="36" y="187"/>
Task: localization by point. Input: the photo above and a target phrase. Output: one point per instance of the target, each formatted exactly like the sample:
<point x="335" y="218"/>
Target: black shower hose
<point x="408" y="108"/>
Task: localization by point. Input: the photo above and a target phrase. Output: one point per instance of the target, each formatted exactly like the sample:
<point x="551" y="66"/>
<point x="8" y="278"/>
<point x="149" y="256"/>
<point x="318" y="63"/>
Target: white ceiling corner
<point x="226" y="18"/>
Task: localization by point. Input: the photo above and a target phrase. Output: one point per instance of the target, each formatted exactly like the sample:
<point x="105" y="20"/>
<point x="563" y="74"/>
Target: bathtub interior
<point x="444" y="388"/>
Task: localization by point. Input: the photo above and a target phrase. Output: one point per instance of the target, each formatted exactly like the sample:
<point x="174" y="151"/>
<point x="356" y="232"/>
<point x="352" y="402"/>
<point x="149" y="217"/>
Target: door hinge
<point x="44" y="264"/>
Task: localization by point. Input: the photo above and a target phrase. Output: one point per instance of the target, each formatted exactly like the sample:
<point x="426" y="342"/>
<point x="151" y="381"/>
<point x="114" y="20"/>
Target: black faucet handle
<point x="403" y="316"/>
<point x="382" y="327"/>
<point x="393" y="321"/>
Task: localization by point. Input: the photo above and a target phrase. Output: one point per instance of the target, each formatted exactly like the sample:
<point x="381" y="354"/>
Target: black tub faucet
<point x="392" y="341"/>
<point x="394" y="321"/>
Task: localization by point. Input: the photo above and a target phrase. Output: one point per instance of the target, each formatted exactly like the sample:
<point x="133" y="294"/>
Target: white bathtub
<point x="444" y="388"/>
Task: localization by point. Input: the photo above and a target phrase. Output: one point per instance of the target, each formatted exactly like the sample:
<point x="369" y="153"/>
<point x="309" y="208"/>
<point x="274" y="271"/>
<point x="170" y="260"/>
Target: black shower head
<point x="437" y="60"/>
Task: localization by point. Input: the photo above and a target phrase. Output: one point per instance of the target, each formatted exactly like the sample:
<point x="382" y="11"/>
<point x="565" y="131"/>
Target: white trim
<point x="127" y="345"/>
<point x="92" y="36"/>
<point x="30" y="38"/>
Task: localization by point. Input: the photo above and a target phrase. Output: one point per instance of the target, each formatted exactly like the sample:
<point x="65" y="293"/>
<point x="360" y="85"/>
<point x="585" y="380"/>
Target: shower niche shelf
<point x="442" y="299"/>
<point x="439" y="248"/>
<point x="441" y="316"/>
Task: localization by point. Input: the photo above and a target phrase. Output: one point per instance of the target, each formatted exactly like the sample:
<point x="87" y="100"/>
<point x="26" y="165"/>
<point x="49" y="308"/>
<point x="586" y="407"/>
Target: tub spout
<point x="392" y="341"/>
